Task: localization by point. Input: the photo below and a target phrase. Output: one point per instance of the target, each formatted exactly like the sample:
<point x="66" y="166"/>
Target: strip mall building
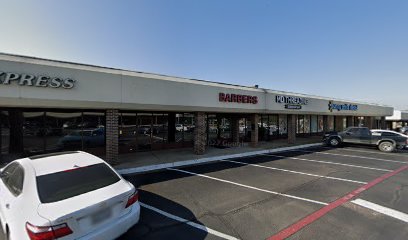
<point x="51" y="106"/>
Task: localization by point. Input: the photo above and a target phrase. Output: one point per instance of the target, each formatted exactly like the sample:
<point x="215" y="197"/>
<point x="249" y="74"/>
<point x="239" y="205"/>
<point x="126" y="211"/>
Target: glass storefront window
<point x="320" y="124"/>
<point x="93" y="132"/>
<point x="188" y="122"/>
<point x="63" y="131"/>
<point x="4" y="132"/>
<point x="242" y="128"/>
<point x="314" y="124"/>
<point x="300" y="124"/>
<point x="144" y="131"/>
<point x="225" y="128"/>
<point x="263" y="128"/>
<point x="127" y="132"/>
<point x="283" y="124"/>
<point x="273" y="126"/>
<point x="344" y="122"/>
<point x="307" y="124"/>
<point x="34" y="132"/>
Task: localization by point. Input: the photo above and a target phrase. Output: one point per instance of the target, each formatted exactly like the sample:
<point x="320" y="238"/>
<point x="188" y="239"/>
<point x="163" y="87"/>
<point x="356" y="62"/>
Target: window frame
<point x="16" y="191"/>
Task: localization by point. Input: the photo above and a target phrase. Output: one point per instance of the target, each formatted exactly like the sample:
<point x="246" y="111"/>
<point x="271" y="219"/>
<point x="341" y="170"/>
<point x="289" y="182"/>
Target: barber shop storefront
<point x="49" y="106"/>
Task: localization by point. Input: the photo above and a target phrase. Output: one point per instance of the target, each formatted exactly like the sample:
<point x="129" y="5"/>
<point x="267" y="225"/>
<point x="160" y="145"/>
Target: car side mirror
<point x="2" y="174"/>
<point x="348" y="133"/>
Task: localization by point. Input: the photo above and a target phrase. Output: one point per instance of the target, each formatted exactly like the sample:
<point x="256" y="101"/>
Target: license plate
<point x="101" y="216"/>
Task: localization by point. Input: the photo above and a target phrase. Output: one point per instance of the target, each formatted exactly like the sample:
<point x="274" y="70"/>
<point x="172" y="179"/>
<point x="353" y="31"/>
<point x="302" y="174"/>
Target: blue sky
<point x="350" y="49"/>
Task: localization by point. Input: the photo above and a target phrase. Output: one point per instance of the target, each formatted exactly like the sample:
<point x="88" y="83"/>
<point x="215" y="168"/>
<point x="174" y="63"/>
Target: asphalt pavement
<point x="263" y="196"/>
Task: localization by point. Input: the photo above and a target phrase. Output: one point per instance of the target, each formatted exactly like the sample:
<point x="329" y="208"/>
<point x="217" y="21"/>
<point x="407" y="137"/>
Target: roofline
<point x="174" y="78"/>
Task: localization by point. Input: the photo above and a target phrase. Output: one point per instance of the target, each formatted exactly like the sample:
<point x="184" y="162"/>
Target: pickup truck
<point x="386" y="141"/>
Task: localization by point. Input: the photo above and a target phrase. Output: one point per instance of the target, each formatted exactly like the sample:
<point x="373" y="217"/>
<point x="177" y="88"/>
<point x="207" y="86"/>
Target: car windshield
<point x="67" y="184"/>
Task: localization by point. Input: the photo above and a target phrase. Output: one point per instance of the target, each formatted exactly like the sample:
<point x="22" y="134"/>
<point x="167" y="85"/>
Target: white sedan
<point x="70" y="195"/>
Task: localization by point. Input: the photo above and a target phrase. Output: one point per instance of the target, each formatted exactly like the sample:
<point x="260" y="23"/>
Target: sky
<point x="347" y="49"/>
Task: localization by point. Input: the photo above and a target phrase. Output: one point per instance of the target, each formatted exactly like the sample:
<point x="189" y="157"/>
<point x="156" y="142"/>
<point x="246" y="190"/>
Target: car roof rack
<point x="51" y="155"/>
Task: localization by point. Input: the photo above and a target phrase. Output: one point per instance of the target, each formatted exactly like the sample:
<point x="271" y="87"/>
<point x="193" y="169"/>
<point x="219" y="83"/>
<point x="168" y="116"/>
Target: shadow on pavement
<point x="153" y="225"/>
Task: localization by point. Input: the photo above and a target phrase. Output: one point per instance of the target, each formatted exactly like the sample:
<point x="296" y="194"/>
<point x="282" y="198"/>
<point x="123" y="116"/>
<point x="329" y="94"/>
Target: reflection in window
<point x="320" y="124"/>
<point x="63" y="131"/>
<point x="4" y="132"/>
<point x="300" y="124"/>
<point x="34" y="132"/>
<point x="307" y="124"/>
<point x="283" y="124"/>
<point x="314" y="124"/>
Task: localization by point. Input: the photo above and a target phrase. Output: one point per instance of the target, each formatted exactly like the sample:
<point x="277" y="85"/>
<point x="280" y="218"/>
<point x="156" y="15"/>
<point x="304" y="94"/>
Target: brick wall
<point x="291" y="128"/>
<point x="112" y="135"/>
<point x="200" y="133"/>
<point x="254" y="130"/>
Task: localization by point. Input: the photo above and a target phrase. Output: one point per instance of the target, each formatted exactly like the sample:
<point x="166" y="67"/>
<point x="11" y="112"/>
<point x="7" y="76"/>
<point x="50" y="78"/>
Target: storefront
<point x="398" y="120"/>
<point x="48" y="106"/>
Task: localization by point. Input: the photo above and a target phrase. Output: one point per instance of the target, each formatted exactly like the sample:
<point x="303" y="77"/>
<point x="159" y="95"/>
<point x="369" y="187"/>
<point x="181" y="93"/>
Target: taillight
<point x="132" y="199"/>
<point x="47" y="233"/>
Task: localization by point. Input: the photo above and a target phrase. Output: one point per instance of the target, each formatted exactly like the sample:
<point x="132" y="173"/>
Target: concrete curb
<point x="157" y="167"/>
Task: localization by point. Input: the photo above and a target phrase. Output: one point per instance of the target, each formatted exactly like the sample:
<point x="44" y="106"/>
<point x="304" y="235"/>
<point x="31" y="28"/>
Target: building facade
<point x="398" y="119"/>
<point x="48" y="106"/>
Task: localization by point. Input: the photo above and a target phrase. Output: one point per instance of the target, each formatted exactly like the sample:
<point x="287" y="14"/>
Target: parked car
<point x="68" y="195"/>
<point x="87" y="137"/>
<point x="404" y="130"/>
<point x="385" y="140"/>
<point x="181" y="127"/>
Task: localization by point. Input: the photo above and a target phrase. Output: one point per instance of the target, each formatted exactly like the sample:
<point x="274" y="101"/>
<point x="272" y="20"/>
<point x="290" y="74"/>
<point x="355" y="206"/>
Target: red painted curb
<point x="294" y="228"/>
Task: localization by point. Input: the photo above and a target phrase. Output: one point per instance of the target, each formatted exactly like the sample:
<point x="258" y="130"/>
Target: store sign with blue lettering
<point x="342" y="107"/>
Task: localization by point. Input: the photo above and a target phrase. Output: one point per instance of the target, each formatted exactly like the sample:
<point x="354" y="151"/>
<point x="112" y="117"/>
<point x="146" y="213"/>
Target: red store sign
<point x="237" y="98"/>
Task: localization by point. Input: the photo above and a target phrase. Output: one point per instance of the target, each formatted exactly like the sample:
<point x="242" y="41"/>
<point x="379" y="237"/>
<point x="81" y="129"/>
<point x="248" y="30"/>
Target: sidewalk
<point x="142" y="162"/>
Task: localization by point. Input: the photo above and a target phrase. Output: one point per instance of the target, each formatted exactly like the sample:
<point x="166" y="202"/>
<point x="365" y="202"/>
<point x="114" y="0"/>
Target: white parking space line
<point x="365" y="151"/>
<point x="246" y="186"/>
<point x="328" y="162"/>
<point x="296" y="172"/>
<point x="352" y="156"/>
<point x="384" y="210"/>
<point x="190" y="223"/>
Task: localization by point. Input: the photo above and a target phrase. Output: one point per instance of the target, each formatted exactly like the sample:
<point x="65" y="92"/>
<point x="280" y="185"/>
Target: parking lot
<point x="313" y="193"/>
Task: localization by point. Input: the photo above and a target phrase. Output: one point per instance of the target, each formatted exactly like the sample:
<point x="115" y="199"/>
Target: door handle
<point x="7" y="206"/>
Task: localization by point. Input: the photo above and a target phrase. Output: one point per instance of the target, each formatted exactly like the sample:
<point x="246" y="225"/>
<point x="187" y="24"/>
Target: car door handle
<point x="7" y="206"/>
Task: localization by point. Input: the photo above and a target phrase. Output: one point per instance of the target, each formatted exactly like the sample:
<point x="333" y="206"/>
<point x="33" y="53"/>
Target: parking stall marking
<point x="296" y="227"/>
<point x="364" y="151"/>
<point x="190" y="223"/>
<point x="296" y="172"/>
<point x="247" y="186"/>
<point x="353" y="156"/>
<point x="384" y="210"/>
<point x="328" y="162"/>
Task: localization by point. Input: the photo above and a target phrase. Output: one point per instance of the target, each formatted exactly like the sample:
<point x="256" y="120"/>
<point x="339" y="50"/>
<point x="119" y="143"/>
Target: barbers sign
<point x="7" y="78"/>
<point x="292" y="102"/>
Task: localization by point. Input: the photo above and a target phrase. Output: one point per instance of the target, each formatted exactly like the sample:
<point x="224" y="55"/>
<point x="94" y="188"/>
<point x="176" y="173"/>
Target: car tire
<point x="334" y="142"/>
<point x="386" y="146"/>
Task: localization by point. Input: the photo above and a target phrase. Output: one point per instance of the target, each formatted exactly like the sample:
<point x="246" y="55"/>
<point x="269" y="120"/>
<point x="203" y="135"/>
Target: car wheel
<point x="334" y="142"/>
<point x="386" y="147"/>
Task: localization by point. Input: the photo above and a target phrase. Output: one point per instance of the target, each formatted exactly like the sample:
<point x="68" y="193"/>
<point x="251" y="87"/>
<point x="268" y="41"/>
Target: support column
<point x="200" y="133"/>
<point x="350" y="121"/>
<point x="383" y="123"/>
<point x="235" y="129"/>
<point x="339" y="123"/>
<point x="112" y="136"/>
<point x="16" y="131"/>
<point x="291" y="128"/>
<point x="369" y="122"/>
<point x="171" y="128"/>
<point x="254" y="130"/>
